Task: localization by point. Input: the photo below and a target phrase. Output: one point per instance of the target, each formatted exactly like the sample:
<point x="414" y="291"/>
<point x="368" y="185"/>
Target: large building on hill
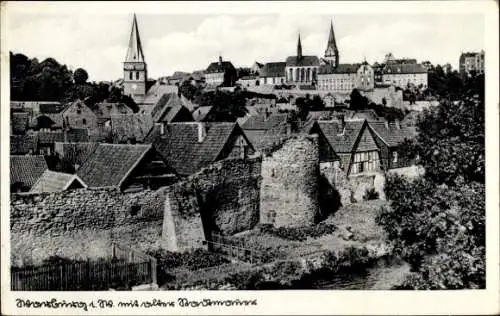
<point x="135" y="67"/>
<point x="301" y="69"/>
<point x="470" y="62"/>
<point x="220" y="73"/>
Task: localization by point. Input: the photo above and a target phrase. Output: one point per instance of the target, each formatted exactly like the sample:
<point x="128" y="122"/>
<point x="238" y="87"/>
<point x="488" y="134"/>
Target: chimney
<point x="220" y="60"/>
<point x="386" y="123"/>
<point x="162" y="129"/>
<point x="201" y="132"/>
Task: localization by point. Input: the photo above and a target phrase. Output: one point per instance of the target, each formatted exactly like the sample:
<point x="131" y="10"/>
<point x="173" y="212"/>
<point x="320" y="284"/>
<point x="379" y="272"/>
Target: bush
<point x="299" y="233"/>
<point x="370" y="194"/>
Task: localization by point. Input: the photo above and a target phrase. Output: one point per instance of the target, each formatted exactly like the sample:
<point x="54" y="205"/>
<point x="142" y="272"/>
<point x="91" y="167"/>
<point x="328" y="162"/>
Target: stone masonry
<point x="289" y="190"/>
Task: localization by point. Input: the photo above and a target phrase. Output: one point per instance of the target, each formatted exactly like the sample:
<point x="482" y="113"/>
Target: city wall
<point x="82" y="224"/>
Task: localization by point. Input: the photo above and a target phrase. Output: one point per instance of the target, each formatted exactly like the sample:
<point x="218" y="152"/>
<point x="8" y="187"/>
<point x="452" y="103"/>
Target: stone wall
<point x="222" y="198"/>
<point x="83" y="223"/>
<point x="289" y="190"/>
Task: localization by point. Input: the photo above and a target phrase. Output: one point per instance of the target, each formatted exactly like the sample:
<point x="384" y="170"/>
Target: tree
<point x="437" y="222"/>
<point x="80" y="76"/>
<point x="358" y="101"/>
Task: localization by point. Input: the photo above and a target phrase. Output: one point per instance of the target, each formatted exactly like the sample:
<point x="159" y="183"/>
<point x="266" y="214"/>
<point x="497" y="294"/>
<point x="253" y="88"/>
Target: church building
<point x="301" y="69"/>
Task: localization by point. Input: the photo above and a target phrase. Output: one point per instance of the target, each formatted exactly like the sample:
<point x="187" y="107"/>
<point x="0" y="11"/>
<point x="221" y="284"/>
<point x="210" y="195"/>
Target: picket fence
<point x="125" y="267"/>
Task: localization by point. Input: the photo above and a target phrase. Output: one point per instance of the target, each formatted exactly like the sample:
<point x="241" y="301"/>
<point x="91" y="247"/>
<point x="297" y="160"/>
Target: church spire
<point x="299" y="49"/>
<point x="331" y="52"/>
<point x="331" y="38"/>
<point x="134" y="51"/>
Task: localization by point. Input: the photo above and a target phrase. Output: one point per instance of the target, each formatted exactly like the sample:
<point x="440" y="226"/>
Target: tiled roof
<point x="51" y="181"/>
<point x="77" y="135"/>
<point x="391" y="134"/>
<point x="22" y="144"/>
<point x="50" y="137"/>
<point x="219" y="67"/>
<point x="369" y="115"/>
<point x="154" y="94"/>
<point x="55" y="118"/>
<point x="264" y="122"/>
<point x="183" y="151"/>
<point x="273" y="69"/>
<point x="342" y="141"/>
<point x="167" y="107"/>
<point x="26" y="169"/>
<point x="110" y="164"/>
<point x="105" y="110"/>
<point x="404" y="69"/>
<point x="75" y="153"/>
<point x="130" y="126"/>
<point x="340" y="69"/>
<point x="201" y="113"/>
<point x="19" y="122"/>
<point x="293" y="61"/>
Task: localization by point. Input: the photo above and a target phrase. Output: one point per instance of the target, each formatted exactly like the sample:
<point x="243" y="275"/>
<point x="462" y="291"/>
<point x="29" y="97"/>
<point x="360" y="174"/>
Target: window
<point x="84" y="122"/>
<point x="78" y="111"/>
<point x="134" y="209"/>
<point x="365" y="161"/>
<point x="394" y="156"/>
<point x="130" y="75"/>
<point x="137" y="75"/>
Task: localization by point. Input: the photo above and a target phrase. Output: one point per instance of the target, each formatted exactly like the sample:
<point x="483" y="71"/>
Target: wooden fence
<point x="235" y="249"/>
<point x="123" y="268"/>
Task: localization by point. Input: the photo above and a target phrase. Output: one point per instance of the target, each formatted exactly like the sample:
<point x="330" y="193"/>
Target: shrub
<point x="299" y="233"/>
<point x="370" y="194"/>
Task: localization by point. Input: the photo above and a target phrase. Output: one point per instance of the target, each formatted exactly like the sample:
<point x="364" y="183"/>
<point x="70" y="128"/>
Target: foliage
<point x="227" y="106"/>
<point x="370" y="194"/>
<point x="80" y="76"/>
<point x="299" y="233"/>
<point x="358" y="101"/>
<point x="306" y="104"/>
<point x="48" y="80"/>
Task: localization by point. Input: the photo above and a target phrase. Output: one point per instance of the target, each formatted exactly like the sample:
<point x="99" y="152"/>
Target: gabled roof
<point x="167" y="108"/>
<point x="276" y="69"/>
<point x="128" y="126"/>
<point x="154" y="94"/>
<point x="26" y="169"/>
<point x="265" y="122"/>
<point x="219" y="67"/>
<point x="341" y="140"/>
<point x="51" y="181"/>
<point x="22" y="144"/>
<point x="110" y="164"/>
<point x="75" y="153"/>
<point x="185" y="153"/>
<point x="104" y="110"/>
<point x="293" y="61"/>
<point x="201" y="113"/>
<point x="134" y="50"/>
<point x="390" y="134"/>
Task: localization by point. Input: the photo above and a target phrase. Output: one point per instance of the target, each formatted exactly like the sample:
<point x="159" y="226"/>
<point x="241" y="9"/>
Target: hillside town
<point x="272" y="175"/>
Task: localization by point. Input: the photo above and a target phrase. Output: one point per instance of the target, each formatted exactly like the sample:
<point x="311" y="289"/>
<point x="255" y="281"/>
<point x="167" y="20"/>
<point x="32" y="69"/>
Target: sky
<point x="187" y="42"/>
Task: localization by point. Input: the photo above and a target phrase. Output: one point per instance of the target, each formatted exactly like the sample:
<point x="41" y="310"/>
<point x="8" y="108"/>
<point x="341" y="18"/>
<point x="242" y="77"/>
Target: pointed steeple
<point x="331" y="52"/>
<point x="299" y="49"/>
<point x="134" y="51"/>
<point x="331" y="38"/>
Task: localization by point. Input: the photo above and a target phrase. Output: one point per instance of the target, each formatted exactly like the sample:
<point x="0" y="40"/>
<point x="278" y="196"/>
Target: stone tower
<point x="331" y="52"/>
<point x="134" y="67"/>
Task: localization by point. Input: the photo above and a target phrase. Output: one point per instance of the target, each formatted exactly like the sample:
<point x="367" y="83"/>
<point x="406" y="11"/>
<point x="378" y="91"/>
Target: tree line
<point x="48" y="80"/>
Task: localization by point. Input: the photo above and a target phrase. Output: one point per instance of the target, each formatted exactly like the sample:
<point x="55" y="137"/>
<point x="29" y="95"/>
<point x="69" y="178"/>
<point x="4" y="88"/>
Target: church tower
<point x="134" y="67"/>
<point x="299" y="49"/>
<point x="331" y="52"/>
